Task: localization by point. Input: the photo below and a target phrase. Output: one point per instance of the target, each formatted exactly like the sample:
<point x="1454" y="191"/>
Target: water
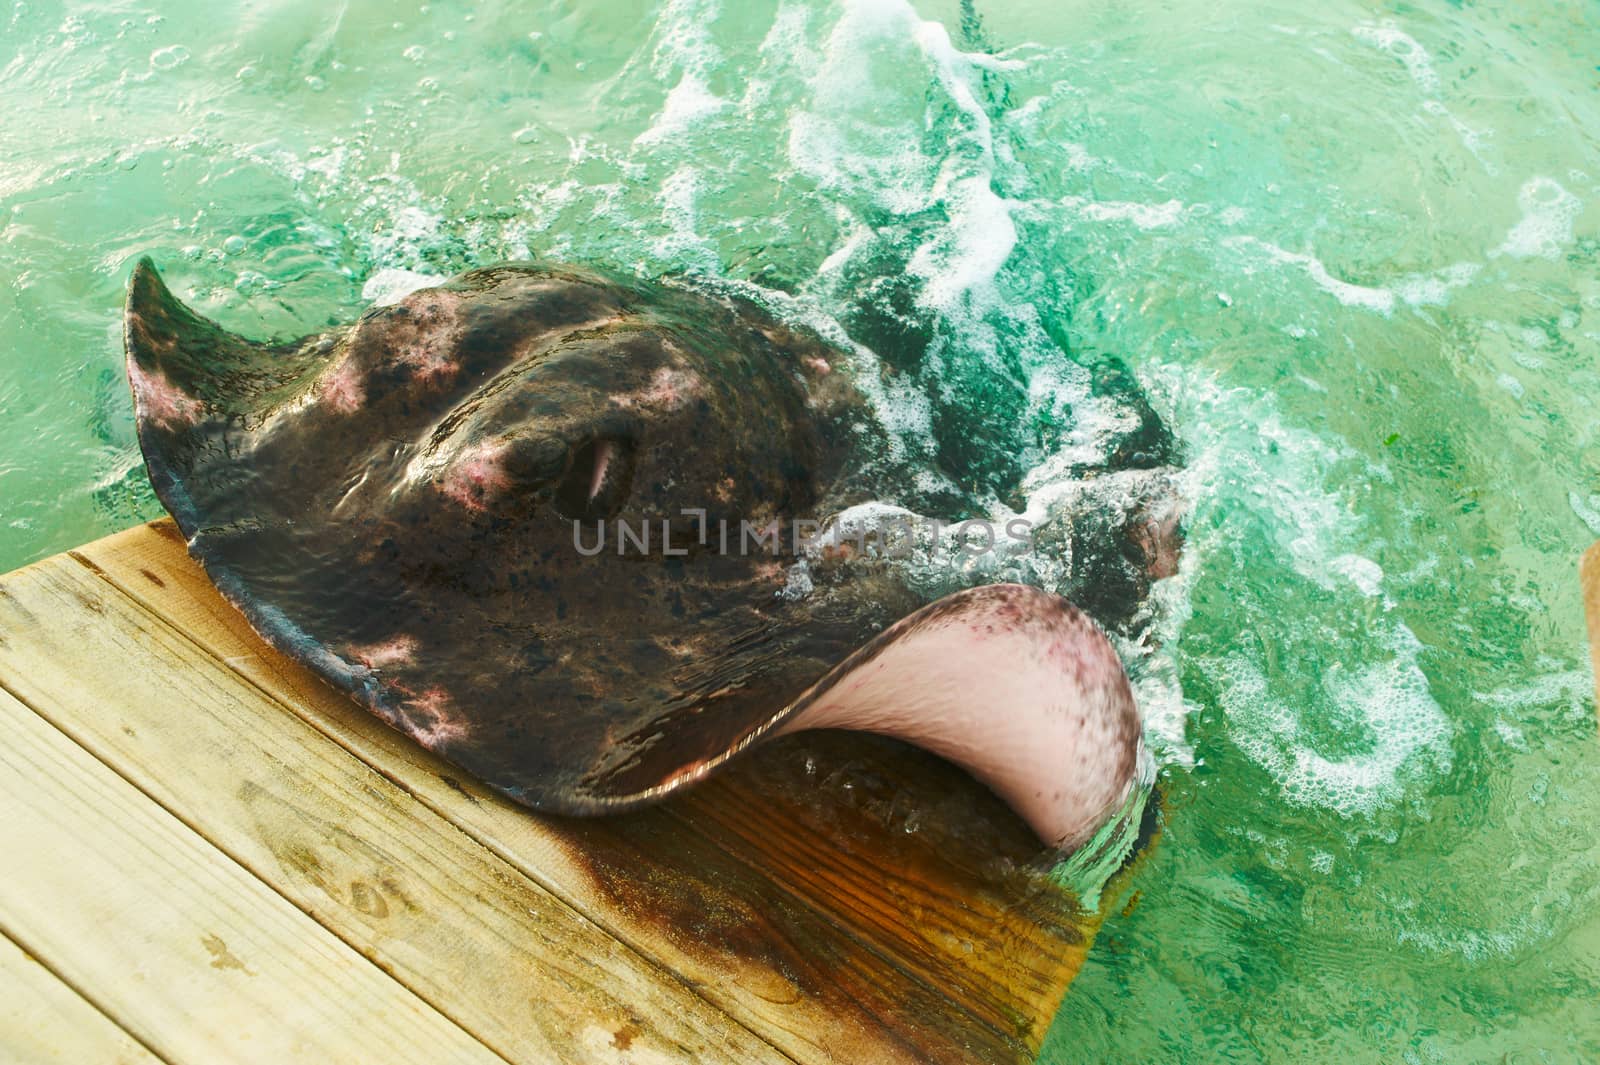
<point x="1351" y="252"/>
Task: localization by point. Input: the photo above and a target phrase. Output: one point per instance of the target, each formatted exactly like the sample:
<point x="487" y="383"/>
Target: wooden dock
<point x="209" y="856"/>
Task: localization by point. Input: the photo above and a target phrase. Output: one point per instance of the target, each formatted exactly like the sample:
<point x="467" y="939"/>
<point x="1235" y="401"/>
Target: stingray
<point x="498" y="514"/>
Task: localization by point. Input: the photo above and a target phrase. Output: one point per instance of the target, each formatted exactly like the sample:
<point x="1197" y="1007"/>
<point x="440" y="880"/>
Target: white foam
<point x="844" y="143"/>
<point x="682" y="244"/>
<point x="684" y="56"/>
<point x="785" y="55"/>
<point x="1381" y="300"/>
<point x="1256" y="480"/>
<point x="967" y="255"/>
<point x="837" y="141"/>
<point x="1549" y="213"/>
<point x="391" y="285"/>
<point x="866" y="151"/>
<point x="1570" y="689"/>
<point x="171" y="56"/>
<point x="1472" y="945"/>
<point x="1404" y="47"/>
<point x="1364" y="573"/>
<point x="688" y="104"/>
<point x="982" y="233"/>
<point x="1471" y="139"/>
<point x="415" y="223"/>
<point x="1510" y="734"/>
<point x="859" y="237"/>
<point x="1587" y="509"/>
<point x="1390" y="701"/>
<point x="1142" y="215"/>
<point x="1433" y="290"/>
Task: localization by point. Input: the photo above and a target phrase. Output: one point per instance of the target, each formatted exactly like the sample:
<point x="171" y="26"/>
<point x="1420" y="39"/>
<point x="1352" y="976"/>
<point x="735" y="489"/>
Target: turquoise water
<point x="1352" y="252"/>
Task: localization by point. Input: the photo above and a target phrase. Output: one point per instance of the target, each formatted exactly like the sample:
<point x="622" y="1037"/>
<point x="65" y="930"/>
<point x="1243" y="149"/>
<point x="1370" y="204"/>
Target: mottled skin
<point x="393" y="503"/>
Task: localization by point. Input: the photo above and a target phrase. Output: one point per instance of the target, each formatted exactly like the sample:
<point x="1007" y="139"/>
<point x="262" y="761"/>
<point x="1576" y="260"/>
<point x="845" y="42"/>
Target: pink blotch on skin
<point x="1067" y="656"/>
<point x="1160" y="543"/>
<point x="477" y="474"/>
<point x="430" y="357"/>
<point x="161" y="401"/>
<point x="343" y="390"/>
<point x="393" y="652"/>
<point x="429" y="363"/>
<point x="842" y="550"/>
<point x="431" y="719"/>
<point x="160" y="342"/>
<point x="669" y="388"/>
<point x="820" y="365"/>
<point x="771" y="571"/>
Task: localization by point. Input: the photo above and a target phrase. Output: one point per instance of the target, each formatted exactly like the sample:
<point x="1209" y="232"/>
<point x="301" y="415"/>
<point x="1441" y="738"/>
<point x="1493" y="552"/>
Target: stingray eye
<point x="597" y="480"/>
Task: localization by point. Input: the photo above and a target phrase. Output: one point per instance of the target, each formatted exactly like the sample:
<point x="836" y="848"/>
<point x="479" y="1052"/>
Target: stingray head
<point x="508" y="393"/>
<point x="492" y="511"/>
<point x="411" y="505"/>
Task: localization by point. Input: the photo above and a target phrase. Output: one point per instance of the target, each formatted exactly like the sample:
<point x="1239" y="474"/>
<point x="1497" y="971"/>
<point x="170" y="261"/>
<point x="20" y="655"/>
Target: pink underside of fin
<point x="1010" y="683"/>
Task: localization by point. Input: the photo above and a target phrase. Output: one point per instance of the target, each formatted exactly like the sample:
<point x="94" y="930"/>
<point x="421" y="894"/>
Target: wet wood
<point x="427" y="904"/>
<point x="194" y="957"/>
<point x="834" y="898"/>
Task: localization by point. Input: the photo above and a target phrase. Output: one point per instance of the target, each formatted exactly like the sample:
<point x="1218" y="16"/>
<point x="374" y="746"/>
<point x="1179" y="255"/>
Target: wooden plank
<point x="1589" y="578"/>
<point x="191" y="954"/>
<point x="45" y="1022"/>
<point x="463" y="929"/>
<point x="956" y="901"/>
<point x="791" y="891"/>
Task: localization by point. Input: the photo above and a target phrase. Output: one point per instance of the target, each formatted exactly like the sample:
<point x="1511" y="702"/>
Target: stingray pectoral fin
<point x="173" y="353"/>
<point x="185" y="368"/>
<point x="1013" y="684"/>
<point x="199" y="392"/>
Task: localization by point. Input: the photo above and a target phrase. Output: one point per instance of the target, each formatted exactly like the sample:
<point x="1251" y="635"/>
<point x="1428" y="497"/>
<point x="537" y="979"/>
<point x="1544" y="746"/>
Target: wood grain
<point x="798" y="892"/>
<point x="45" y="1022"/>
<point x="447" y="918"/>
<point x="191" y="954"/>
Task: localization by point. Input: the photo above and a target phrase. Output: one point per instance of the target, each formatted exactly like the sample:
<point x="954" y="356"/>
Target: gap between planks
<point x="44" y="1020"/>
<point x="545" y="989"/>
<point x="183" y="948"/>
<point x="820" y="997"/>
<point x="825" y="1025"/>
